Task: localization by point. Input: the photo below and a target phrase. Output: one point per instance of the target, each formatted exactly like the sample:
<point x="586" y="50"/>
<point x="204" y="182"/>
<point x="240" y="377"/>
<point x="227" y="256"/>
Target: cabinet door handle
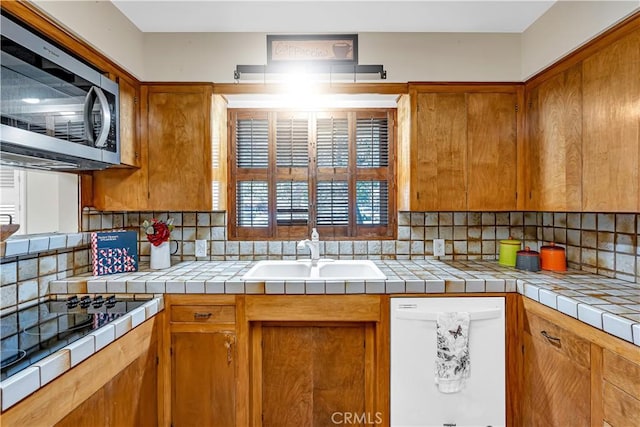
<point x="228" y="343"/>
<point x="550" y="338"/>
<point x="201" y="316"/>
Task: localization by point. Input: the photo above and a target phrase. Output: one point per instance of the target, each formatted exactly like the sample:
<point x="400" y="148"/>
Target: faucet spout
<point x="313" y="247"/>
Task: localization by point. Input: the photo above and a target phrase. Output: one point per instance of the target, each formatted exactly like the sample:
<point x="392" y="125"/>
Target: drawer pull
<point x="550" y="338"/>
<point x="201" y="316"/>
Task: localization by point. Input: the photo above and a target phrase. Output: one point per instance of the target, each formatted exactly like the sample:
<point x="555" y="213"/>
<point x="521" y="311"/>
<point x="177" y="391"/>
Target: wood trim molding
<point x="310" y="308"/>
<point x="334" y="88"/>
<point x="620" y="30"/>
<point x="457" y="87"/>
<point x="53" y="402"/>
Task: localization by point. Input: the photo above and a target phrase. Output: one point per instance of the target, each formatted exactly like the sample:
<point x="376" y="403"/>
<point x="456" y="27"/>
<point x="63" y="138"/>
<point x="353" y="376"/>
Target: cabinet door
<point x="556" y="384"/>
<point x="611" y="131"/>
<point x="621" y="390"/>
<point x="555" y="143"/>
<point x="203" y="379"/>
<point x="178" y="134"/>
<point x="124" y="189"/>
<point x="440" y="153"/>
<point x="311" y="373"/>
<point x="491" y="144"/>
<point x="129" y="142"/>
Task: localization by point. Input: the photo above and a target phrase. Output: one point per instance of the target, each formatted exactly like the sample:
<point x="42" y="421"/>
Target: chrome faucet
<point x="313" y="245"/>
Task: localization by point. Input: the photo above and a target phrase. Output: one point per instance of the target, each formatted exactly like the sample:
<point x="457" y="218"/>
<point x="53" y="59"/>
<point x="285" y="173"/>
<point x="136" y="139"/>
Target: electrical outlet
<point x="438" y="247"/>
<point x="201" y="248"/>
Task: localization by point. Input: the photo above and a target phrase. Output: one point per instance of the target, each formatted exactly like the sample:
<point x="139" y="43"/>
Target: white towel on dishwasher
<point x="452" y="359"/>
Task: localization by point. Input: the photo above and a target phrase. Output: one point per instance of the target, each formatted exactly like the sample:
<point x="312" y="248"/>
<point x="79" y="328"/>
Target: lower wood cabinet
<point x="620" y="390"/>
<point x="312" y="372"/>
<point x="202" y="340"/>
<point x="317" y="360"/>
<point x="556" y="375"/>
<point x="203" y="368"/>
<point x="574" y="374"/>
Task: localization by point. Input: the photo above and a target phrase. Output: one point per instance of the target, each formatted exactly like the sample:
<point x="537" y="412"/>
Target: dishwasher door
<point x="415" y="398"/>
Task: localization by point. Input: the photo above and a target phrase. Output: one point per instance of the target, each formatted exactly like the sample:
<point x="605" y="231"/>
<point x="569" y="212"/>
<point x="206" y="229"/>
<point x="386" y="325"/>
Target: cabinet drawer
<point x="203" y="313"/>
<point x="562" y="340"/>
<point x="621" y="372"/>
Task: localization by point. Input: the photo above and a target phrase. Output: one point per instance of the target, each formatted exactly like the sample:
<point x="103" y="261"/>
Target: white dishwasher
<point x="416" y="399"/>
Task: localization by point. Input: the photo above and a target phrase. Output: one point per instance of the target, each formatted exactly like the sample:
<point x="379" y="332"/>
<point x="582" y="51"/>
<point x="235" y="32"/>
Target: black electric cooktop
<point x="33" y="333"/>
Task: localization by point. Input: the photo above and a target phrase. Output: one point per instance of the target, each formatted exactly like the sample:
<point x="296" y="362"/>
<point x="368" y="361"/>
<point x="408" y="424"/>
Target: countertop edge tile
<point x="19" y="386"/>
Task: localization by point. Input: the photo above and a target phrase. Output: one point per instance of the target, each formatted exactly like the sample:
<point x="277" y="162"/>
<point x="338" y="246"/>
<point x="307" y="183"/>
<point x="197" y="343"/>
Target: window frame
<point x="312" y="175"/>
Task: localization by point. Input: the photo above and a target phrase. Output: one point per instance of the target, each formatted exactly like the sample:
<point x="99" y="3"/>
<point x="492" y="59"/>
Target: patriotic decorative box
<point x="114" y="252"/>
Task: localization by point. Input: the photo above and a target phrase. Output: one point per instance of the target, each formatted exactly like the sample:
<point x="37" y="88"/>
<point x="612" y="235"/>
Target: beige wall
<point x="51" y="202"/>
<point x="405" y="56"/>
<point x="102" y="25"/>
<point x="566" y="26"/>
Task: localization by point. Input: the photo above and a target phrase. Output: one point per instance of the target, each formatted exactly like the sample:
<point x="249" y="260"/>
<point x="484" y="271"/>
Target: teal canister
<point x="509" y="252"/>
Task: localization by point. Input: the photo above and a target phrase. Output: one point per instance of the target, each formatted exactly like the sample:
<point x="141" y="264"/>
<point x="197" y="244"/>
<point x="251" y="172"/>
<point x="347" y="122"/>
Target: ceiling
<point x="326" y="16"/>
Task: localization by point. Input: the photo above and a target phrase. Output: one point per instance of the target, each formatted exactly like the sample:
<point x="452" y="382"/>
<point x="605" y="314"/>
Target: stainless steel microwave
<point x="57" y="113"/>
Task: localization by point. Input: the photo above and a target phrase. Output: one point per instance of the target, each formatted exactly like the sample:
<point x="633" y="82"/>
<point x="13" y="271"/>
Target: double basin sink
<point x="326" y="269"/>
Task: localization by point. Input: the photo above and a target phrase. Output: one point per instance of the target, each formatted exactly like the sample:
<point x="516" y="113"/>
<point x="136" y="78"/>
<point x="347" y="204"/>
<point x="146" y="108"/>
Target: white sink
<point x="279" y="270"/>
<point x="327" y="269"/>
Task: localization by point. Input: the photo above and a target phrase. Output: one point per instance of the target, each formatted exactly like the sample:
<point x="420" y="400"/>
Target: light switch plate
<point x="438" y="247"/>
<point x="201" y="248"/>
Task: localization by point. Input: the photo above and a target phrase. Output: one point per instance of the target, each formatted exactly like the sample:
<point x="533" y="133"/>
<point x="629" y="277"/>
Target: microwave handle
<point x="101" y="141"/>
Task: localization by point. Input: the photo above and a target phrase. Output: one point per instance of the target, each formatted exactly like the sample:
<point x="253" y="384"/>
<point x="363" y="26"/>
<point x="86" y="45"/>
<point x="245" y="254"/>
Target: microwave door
<point x="45" y="99"/>
<point x="97" y="131"/>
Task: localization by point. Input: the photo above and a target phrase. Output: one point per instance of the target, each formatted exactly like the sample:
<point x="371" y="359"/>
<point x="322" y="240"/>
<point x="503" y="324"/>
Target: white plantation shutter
<point x="9" y="195"/>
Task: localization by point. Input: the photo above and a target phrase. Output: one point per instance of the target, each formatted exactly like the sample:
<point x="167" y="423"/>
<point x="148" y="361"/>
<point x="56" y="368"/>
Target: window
<point x="41" y="202"/>
<point x="291" y="171"/>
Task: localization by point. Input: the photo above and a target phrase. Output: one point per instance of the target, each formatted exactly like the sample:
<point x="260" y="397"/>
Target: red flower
<point x="157" y="231"/>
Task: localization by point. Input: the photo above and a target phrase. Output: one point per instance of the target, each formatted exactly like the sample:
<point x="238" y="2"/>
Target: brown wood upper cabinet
<point x="583" y="134"/>
<point x="129" y="141"/>
<point x="459" y="151"/>
<point x="175" y="154"/>
<point x="611" y="139"/>
<point x="554" y="145"/>
<point x="176" y="128"/>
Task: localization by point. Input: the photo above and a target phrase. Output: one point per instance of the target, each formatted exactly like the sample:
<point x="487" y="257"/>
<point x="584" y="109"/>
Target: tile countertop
<point x="611" y="305"/>
<point x="39" y="374"/>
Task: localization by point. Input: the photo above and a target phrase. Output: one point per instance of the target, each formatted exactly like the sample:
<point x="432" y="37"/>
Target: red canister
<point x="553" y="258"/>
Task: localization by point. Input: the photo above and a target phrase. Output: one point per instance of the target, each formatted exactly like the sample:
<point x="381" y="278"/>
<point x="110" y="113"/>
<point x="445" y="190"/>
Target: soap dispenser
<point x="315" y="237"/>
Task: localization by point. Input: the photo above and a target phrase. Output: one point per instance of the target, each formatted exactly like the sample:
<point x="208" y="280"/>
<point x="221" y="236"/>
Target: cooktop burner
<point x="33" y="333"/>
